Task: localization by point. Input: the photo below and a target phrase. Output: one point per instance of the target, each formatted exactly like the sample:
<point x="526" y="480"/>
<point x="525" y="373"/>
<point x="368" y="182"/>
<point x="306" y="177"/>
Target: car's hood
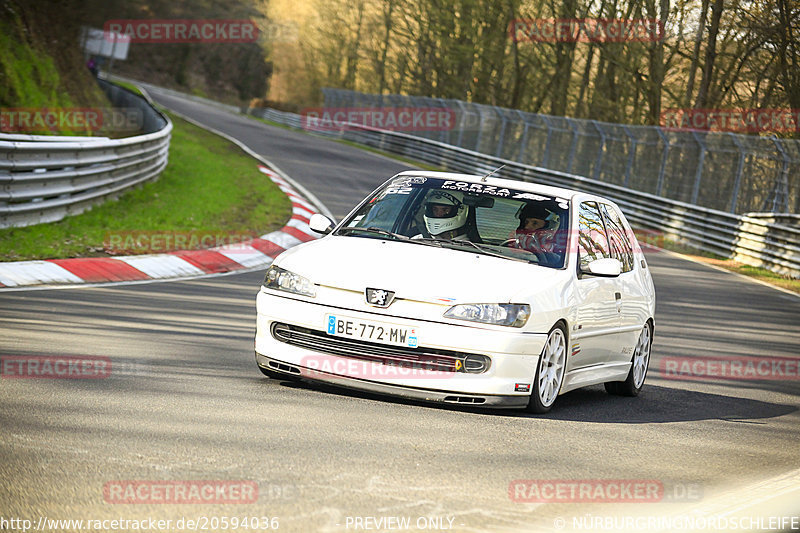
<point x="414" y="271"/>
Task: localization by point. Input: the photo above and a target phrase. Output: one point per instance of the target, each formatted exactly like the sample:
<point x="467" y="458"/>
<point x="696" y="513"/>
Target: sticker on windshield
<point x="407" y="180"/>
<point x="475" y="187"/>
<point x="398" y="190"/>
<point x="531" y="196"/>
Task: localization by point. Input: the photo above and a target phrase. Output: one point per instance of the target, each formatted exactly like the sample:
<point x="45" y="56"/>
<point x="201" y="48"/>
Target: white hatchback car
<point x="466" y="290"/>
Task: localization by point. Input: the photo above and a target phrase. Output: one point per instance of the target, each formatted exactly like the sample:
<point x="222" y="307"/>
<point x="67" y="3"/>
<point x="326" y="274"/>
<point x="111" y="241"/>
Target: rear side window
<point x="592" y="241"/>
<point x="618" y="238"/>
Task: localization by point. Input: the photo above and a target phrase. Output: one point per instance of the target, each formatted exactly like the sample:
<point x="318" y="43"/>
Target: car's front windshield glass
<point x="511" y="223"/>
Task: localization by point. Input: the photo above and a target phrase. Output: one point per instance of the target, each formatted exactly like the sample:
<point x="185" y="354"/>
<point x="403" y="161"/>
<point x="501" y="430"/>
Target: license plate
<point x="371" y="330"/>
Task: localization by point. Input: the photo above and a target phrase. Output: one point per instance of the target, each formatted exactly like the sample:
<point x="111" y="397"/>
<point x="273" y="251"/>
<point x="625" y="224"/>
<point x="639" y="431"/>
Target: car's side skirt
<point x="593" y="375"/>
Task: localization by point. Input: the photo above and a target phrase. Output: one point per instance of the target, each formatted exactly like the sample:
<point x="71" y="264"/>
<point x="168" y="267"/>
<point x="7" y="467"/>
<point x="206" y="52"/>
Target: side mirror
<point x="320" y="224"/>
<point x="608" y="267"/>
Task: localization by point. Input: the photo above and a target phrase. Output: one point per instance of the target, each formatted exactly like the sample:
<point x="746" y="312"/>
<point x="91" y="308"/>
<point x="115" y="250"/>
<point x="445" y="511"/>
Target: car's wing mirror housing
<point x="320" y="224"/>
<point x="608" y="267"/>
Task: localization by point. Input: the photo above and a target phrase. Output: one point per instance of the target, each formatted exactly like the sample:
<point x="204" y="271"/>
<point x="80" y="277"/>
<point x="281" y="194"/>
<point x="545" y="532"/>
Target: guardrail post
<point x="738" y="178"/>
<point x="480" y="129"/>
<point x="574" y="145"/>
<point x="599" y="163"/>
<point x="781" y="188"/>
<point x="664" y="156"/>
<point x="546" y="154"/>
<point x="631" y="154"/>
<point x="442" y="131"/>
<point x="502" y="137"/>
<point x="461" y="125"/>
<point x="700" y="162"/>
<point x="524" y="141"/>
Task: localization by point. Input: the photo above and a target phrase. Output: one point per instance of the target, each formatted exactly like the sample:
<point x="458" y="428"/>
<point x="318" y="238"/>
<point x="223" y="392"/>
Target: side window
<point x="592" y="241"/>
<point x="619" y="240"/>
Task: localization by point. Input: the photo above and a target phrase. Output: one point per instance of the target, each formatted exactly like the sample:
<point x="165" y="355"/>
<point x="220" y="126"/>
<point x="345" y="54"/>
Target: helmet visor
<point x="433" y="210"/>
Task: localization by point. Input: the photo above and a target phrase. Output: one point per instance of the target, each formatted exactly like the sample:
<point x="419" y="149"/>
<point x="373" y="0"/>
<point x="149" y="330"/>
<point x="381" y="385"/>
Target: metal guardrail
<point x="46" y="178"/>
<point x="748" y="239"/>
<point x="718" y="170"/>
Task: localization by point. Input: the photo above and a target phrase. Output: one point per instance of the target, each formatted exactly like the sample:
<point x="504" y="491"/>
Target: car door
<point x="594" y="335"/>
<point x="633" y="303"/>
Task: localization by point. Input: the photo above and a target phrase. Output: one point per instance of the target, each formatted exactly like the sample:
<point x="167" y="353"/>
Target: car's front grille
<point x="420" y="358"/>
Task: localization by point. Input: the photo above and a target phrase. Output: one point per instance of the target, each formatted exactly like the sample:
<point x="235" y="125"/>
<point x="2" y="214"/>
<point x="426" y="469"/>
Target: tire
<point x="552" y="360"/>
<point x="640" y="361"/>
<point x="277" y="375"/>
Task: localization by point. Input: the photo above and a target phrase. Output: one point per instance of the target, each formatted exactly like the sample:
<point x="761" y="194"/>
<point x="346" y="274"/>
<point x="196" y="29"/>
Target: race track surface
<point x="185" y="401"/>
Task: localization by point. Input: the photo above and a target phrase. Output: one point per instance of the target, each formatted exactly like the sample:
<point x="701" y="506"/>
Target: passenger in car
<point x="534" y="232"/>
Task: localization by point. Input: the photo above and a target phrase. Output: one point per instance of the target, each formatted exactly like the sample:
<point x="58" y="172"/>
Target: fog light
<point x="476" y="364"/>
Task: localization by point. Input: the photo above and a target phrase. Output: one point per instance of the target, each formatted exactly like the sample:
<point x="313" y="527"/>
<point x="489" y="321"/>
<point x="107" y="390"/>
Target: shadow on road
<point x="654" y="405"/>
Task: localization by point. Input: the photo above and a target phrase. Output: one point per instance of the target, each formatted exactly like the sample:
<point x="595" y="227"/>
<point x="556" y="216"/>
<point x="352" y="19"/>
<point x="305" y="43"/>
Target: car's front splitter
<point x="436" y="396"/>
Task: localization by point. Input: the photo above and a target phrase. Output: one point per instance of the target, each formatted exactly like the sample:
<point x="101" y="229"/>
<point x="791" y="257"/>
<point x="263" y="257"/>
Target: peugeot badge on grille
<point x="379" y="297"/>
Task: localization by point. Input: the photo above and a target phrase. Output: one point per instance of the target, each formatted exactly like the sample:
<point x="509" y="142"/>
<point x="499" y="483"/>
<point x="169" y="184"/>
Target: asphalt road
<point x="184" y="401"/>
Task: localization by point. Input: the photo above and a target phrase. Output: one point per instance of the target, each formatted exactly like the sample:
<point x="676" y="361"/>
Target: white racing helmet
<point x="444" y="211"/>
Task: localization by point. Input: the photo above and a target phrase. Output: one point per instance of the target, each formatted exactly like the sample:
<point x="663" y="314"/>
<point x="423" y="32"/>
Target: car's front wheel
<point x="549" y="372"/>
<point x="639" y="364"/>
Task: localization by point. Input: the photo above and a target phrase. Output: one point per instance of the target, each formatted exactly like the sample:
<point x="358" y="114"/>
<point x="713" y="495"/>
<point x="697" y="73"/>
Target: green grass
<point x="131" y="87"/>
<point x="209" y="187"/>
<point x="31" y="78"/>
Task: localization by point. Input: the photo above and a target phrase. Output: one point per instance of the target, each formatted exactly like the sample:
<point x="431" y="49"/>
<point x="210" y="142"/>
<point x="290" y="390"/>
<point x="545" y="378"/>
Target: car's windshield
<point x="474" y="217"/>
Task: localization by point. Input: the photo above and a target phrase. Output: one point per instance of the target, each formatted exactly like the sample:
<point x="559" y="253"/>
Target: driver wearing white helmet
<point x="445" y="215"/>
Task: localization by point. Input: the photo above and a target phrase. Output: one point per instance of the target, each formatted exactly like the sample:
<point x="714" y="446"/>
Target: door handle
<point x="618" y="296"/>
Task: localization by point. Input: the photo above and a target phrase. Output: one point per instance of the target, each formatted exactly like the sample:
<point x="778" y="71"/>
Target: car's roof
<point x="539" y="188"/>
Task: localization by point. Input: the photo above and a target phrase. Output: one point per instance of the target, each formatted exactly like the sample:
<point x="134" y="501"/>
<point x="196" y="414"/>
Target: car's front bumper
<point x="507" y="383"/>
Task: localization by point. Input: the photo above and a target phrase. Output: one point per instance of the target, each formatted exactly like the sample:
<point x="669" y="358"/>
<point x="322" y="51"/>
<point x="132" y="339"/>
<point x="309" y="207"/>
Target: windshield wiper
<point x="376" y="231"/>
<point x="481" y="248"/>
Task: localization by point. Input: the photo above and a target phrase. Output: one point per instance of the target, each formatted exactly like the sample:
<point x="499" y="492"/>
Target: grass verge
<point x="210" y="187"/>
<point x="131" y="87"/>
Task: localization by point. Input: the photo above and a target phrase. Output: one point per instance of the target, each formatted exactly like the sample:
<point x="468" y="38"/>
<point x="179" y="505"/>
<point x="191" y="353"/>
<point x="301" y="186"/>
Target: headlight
<point x="283" y="280"/>
<point x="514" y="315"/>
